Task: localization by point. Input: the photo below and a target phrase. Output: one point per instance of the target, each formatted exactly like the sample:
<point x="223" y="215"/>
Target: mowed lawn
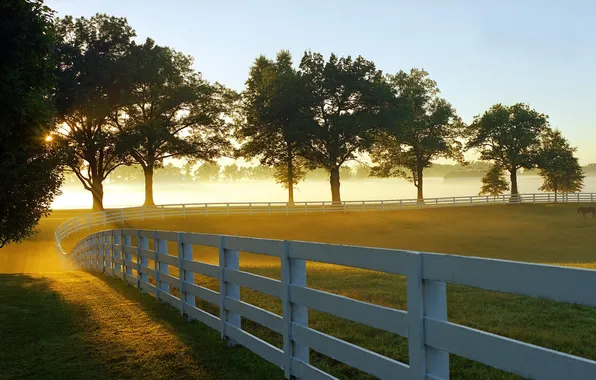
<point x="536" y="233"/>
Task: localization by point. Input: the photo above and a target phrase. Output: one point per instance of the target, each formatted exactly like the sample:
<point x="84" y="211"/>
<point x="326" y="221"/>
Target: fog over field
<point x="245" y="190"/>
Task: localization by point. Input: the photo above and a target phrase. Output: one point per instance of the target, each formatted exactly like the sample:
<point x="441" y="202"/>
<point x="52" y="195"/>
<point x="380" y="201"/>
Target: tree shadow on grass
<point x="42" y="335"/>
<point x="52" y="328"/>
<point x="207" y="349"/>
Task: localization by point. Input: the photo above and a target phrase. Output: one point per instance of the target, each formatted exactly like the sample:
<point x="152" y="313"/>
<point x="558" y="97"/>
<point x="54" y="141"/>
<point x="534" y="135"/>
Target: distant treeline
<point x="212" y="172"/>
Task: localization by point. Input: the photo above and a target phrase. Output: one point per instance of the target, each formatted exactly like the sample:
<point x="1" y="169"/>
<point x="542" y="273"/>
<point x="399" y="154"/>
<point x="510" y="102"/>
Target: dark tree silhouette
<point x="349" y="100"/>
<point x="509" y="136"/>
<point x="30" y="175"/>
<point x="426" y="128"/>
<point x="274" y="118"/>
<point x="91" y="80"/>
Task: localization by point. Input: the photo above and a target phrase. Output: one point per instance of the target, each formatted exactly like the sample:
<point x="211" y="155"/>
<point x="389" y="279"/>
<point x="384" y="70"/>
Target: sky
<point x="539" y="52"/>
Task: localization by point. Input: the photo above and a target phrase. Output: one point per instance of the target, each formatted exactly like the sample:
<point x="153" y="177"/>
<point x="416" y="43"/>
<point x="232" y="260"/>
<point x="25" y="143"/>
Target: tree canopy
<point x="425" y="128"/>
<point x="275" y="118"/>
<point x="494" y="182"/>
<point x="89" y="68"/>
<point x="29" y="167"/>
<point x="559" y="168"/>
<point x="509" y="136"/>
<point x="167" y="111"/>
<point x="349" y="100"/>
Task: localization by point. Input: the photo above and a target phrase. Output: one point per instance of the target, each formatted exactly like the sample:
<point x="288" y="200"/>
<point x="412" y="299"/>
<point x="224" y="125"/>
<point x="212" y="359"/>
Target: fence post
<point x="363" y="207"/>
<point x="228" y="259"/>
<point x="122" y="215"/>
<point x="156" y="243"/>
<point x="162" y="247"/>
<point x="127" y="256"/>
<point x="163" y="213"/>
<point x="184" y="211"/>
<point x="104" y="218"/>
<point x="269" y="208"/>
<point x="143" y="213"/>
<point x="228" y="209"/>
<point x="115" y="240"/>
<point x="187" y="275"/>
<point x="305" y="208"/>
<point x="96" y="237"/>
<point x="206" y="209"/>
<point x="401" y="205"/>
<point x="287" y="208"/>
<point x="293" y="273"/>
<point x="591" y="197"/>
<point x="250" y="208"/>
<point x="533" y="198"/>
<point x="382" y="206"/>
<point x="181" y="271"/>
<point x="102" y="251"/>
<point x="144" y="261"/>
<point x="425" y="298"/>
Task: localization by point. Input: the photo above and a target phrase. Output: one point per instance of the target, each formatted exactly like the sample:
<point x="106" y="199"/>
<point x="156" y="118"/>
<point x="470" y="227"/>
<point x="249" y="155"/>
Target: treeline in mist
<point x="120" y="102"/>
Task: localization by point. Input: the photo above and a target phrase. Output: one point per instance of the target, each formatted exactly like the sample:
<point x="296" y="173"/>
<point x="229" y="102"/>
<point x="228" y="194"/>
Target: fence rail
<point x="103" y="218"/>
<point x="125" y="253"/>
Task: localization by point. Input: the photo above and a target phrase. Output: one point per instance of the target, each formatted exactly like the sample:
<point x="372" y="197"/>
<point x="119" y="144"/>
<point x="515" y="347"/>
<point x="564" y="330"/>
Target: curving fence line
<point x="143" y="259"/>
<point x="103" y="218"/>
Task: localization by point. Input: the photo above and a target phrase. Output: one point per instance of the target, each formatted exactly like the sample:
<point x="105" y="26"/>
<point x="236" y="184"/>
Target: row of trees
<point x="112" y="102"/>
<point x="121" y="103"/>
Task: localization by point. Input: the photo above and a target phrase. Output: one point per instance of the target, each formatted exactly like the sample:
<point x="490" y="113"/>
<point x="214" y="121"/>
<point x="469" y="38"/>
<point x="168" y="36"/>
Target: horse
<point x="587" y="210"/>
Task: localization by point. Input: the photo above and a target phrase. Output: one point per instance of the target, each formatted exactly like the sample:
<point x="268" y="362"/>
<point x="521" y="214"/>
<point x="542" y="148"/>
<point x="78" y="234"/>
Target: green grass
<point x="74" y="325"/>
<point x="533" y="233"/>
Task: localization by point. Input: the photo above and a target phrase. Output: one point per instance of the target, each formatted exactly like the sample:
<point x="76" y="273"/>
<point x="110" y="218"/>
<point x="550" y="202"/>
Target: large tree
<point x="274" y="118"/>
<point x="169" y="111"/>
<point x="426" y="128"/>
<point x="30" y="175"/>
<point x="349" y="100"/>
<point x="559" y="168"/>
<point x="90" y="55"/>
<point x="509" y="136"/>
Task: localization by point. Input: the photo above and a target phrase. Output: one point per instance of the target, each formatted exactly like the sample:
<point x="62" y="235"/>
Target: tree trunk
<point x="420" y="185"/>
<point x="97" y="193"/>
<point x="148" y="171"/>
<point x="513" y="177"/>
<point x="514" y="191"/>
<point x="290" y="180"/>
<point x="334" y="181"/>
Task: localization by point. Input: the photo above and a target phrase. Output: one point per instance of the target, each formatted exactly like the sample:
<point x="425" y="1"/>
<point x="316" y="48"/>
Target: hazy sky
<point x="480" y="52"/>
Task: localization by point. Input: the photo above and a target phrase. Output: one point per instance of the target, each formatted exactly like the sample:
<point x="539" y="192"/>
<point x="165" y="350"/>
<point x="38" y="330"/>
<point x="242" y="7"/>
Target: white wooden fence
<point x="95" y="219"/>
<point x="431" y="337"/>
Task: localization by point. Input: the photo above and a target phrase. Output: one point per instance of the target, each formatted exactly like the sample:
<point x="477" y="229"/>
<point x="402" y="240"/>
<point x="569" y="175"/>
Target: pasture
<point x="536" y="233"/>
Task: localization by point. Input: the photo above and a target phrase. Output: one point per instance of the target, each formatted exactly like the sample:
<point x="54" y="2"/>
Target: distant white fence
<point x="125" y="253"/>
<point x="102" y="218"/>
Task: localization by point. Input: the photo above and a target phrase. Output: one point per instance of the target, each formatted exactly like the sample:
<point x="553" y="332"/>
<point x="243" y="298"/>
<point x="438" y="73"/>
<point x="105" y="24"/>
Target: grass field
<point x="536" y="233"/>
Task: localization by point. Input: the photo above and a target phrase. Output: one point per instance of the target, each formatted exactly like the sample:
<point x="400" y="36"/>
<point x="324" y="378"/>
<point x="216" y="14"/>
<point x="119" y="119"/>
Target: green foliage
<point x="29" y="167"/>
<point x="274" y="118"/>
<point x="349" y="101"/>
<point x="494" y="182"/>
<point x="509" y="136"/>
<point x="89" y="57"/>
<point x="559" y="168"/>
<point x="168" y="110"/>
<point x="427" y="127"/>
<point x="282" y="173"/>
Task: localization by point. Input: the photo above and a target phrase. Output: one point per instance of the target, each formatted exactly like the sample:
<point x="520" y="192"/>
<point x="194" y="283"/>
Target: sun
<point x="49" y="138"/>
